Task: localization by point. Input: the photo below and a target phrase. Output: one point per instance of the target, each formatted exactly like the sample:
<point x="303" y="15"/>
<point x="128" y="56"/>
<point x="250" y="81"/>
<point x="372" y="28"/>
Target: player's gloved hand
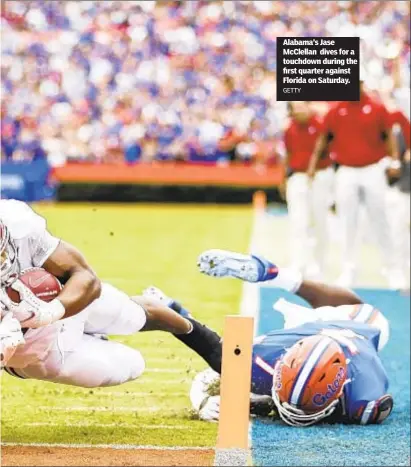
<point x="33" y="312"/>
<point x="5" y="303"/>
<point x="11" y="337"/>
<point x="210" y="411"/>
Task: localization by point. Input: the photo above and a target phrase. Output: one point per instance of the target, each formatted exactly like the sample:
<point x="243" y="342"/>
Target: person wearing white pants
<point x="368" y="185"/>
<point x="308" y="200"/>
<point x="359" y="136"/>
<point x="398" y="197"/>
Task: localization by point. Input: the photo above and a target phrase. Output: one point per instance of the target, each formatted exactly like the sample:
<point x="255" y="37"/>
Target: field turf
<point x="134" y="246"/>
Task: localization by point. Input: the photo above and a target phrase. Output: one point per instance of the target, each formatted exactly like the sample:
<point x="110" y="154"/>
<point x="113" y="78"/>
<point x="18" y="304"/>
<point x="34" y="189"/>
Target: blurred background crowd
<point x="171" y="80"/>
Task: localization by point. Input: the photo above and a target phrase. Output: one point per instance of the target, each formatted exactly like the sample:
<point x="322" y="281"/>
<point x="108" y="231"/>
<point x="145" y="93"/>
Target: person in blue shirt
<point x="323" y="366"/>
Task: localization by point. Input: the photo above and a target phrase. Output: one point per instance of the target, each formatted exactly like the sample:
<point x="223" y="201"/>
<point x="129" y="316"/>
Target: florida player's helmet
<point x="9" y="263"/>
<point x="308" y="380"/>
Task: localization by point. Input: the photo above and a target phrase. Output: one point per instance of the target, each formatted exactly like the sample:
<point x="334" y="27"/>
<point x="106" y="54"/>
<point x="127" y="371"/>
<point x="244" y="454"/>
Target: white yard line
<point x="250" y="300"/>
<point x="112" y="446"/>
<point x="124" y="394"/>
<point x="143" y="380"/>
<point x="114" y="409"/>
<point x="108" y="425"/>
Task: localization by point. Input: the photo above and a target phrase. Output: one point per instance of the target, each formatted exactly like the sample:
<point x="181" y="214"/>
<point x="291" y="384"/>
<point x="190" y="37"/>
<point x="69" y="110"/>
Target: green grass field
<point x="133" y="246"/>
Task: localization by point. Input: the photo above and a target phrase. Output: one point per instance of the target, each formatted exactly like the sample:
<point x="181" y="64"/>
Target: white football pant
<point x="67" y="351"/>
<point x="399" y="213"/>
<point x="308" y="204"/>
<point x="355" y="185"/>
<point x="297" y="315"/>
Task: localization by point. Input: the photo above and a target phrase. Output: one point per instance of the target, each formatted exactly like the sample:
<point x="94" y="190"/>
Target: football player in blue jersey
<point x="323" y="366"/>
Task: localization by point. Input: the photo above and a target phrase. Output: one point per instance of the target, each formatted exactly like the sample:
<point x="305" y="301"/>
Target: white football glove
<point x="31" y="311"/>
<point x="11" y="337"/>
<point x="210" y="411"/>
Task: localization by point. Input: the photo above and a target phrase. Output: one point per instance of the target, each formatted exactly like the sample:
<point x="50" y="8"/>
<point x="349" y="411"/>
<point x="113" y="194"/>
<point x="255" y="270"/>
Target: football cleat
<point x="222" y="263"/>
<point x="157" y="294"/>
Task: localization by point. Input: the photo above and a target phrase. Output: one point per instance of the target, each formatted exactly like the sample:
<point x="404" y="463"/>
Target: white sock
<point x="191" y="328"/>
<point x="287" y="279"/>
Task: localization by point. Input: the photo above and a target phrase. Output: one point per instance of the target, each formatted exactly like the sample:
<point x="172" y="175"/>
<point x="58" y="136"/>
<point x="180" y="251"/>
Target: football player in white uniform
<point x="57" y="341"/>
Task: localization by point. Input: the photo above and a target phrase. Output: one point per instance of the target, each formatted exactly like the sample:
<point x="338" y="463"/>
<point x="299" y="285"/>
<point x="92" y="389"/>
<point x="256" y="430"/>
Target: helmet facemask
<point x="9" y="263"/>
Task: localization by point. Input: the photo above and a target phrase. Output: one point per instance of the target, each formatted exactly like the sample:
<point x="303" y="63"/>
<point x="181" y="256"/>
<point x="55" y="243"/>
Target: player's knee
<point x="130" y="366"/>
<point x="137" y="316"/>
<point x="138" y="367"/>
<point x="135" y="364"/>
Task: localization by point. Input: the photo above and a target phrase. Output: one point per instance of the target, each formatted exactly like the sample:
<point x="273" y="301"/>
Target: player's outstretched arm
<point x="81" y="283"/>
<point x="222" y="263"/>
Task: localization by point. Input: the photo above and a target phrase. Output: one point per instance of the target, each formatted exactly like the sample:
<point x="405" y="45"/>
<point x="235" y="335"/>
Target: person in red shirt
<point x="308" y="201"/>
<point x="358" y="135"/>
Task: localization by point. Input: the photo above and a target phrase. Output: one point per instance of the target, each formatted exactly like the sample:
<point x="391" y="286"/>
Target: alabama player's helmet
<point x="308" y="380"/>
<point x="9" y="263"/>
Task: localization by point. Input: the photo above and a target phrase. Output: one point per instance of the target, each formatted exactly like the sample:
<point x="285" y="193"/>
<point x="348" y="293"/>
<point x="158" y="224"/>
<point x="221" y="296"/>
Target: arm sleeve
<point x="42" y="245"/>
<point x="200" y="388"/>
<point x="26" y="224"/>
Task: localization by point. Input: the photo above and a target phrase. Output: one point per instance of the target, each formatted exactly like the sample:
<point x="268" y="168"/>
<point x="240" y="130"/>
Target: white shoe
<point x="222" y="263"/>
<point x="157" y="294"/>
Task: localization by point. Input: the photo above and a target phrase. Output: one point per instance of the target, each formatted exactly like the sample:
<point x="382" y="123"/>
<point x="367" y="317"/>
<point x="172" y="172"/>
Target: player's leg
<point x="298" y="202"/>
<point x="347" y="197"/>
<point x="398" y="212"/>
<point x="321" y="197"/>
<point x="222" y="263"/>
<point x="116" y="313"/>
<point x="297" y="315"/>
<point x="91" y="362"/>
<point x="375" y="191"/>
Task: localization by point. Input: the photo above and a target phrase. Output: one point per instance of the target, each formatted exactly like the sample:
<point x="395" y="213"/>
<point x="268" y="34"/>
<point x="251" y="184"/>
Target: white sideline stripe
<point x="250" y="301"/>
<point x="250" y="306"/>
<point x="109" y="425"/>
<point x="101" y="409"/>
<point x="124" y="394"/>
<point x="144" y="380"/>
<point x="112" y="446"/>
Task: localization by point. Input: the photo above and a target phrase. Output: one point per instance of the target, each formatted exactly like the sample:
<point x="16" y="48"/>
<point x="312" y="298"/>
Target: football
<point x="43" y="284"/>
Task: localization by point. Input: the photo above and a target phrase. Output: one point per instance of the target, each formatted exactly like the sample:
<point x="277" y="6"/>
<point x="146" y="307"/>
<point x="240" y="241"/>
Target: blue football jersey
<point x="368" y="379"/>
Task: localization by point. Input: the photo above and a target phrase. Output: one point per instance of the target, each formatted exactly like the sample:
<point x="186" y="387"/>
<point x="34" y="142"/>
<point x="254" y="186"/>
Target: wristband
<point x="58" y="310"/>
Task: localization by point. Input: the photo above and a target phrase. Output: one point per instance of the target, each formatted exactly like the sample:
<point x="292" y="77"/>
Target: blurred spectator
<point x="359" y="136"/>
<point x="144" y="80"/>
